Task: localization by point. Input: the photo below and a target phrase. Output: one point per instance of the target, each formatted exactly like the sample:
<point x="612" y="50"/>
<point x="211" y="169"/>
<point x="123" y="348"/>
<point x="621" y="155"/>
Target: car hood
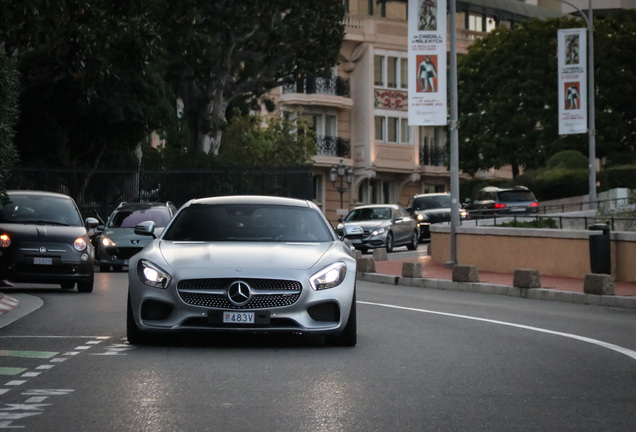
<point x="295" y="256"/>
<point x="369" y="225"/>
<point x="50" y="233"/>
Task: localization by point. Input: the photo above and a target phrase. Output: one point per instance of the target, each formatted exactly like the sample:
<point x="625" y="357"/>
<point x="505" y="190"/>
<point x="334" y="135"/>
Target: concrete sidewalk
<point x="556" y="288"/>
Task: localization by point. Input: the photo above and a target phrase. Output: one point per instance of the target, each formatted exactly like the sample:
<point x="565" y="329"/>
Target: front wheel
<point x="414" y="241"/>
<point x="349" y="336"/>
<point x="389" y="242"/>
<point x="86" y="286"/>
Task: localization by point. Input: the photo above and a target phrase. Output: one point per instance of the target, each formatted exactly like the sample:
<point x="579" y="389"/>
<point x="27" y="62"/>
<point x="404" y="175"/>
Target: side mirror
<point x="146" y="228"/>
<point x="91" y="222"/>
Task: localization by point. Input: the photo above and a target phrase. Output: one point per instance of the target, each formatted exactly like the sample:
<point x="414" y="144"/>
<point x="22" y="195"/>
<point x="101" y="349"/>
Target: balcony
<point x="333" y="146"/>
<point x="330" y="92"/>
<point x="432" y="156"/>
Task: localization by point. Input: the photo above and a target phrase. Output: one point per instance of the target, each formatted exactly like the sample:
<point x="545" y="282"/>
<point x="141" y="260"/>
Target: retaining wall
<point x="550" y="251"/>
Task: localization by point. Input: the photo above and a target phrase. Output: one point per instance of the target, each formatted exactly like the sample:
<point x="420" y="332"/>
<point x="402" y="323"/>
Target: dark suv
<point x="495" y="201"/>
<point x="431" y="208"/>
<point x="117" y="241"/>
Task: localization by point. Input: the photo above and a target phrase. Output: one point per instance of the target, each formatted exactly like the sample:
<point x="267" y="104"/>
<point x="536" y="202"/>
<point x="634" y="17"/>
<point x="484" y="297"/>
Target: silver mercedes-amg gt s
<point x="248" y="264"/>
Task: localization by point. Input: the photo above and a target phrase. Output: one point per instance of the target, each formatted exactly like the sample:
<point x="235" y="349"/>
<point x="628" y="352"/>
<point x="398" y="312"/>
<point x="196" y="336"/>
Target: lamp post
<point x="339" y="175"/>
<point x="591" y="123"/>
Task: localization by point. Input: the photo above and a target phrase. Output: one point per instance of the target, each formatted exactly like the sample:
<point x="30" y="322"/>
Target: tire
<point x="68" y="285"/>
<point x="364" y="250"/>
<point x="134" y="335"/>
<point x="118" y="268"/>
<point x="389" y="242"/>
<point x="86" y="286"/>
<point x="415" y="239"/>
<point x="104" y="268"/>
<point x="349" y="336"/>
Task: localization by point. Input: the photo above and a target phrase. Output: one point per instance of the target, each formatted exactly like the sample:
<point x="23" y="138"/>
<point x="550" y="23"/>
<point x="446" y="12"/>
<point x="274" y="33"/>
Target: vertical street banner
<point x="572" y="56"/>
<point x="427" y="63"/>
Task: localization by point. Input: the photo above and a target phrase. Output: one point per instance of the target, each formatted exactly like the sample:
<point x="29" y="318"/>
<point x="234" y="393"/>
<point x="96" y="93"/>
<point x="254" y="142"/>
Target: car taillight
<point x="499" y="205"/>
<point x="534" y="204"/>
<point x="5" y="240"/>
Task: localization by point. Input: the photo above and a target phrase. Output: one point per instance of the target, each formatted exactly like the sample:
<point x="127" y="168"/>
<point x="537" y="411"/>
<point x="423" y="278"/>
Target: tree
<point x="91" y="83"/>
<point x="507" y="85"/>
<point x="8" y="117"/>
<point x="268" y="141"/>
<point x="227" y="50"/>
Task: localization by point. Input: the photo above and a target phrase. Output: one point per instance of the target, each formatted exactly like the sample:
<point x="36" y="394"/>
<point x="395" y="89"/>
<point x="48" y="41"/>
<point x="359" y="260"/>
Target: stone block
<point x="412" y="269"/>
<point x="380" y="254"/>
<point x="465" y="273"/>
<point x="366" y="265"/>
<point x="599" y="284"/>
<point x="526" y="278"/>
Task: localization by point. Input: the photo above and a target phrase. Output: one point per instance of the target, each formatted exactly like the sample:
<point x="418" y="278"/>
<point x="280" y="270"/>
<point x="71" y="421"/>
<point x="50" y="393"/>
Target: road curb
<point x="7" y="303"/>
<point x="624" y="302"/>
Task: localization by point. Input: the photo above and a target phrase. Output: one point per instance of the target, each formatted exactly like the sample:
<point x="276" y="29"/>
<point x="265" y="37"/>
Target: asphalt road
<point x="426" y="360"/>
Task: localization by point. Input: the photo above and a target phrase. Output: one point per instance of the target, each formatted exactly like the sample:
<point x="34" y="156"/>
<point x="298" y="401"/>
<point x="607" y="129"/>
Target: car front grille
<point x="266" y="293"/>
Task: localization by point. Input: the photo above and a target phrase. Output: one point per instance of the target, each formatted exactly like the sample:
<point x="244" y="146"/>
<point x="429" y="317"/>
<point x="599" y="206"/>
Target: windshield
<point x="127" y="218"/>
<point x="369" y="213"/>
<point x="40" y="209"/>
<point x="248" y="222"/>
<point x="516" y="196"/>
<point x="432" y="202"/>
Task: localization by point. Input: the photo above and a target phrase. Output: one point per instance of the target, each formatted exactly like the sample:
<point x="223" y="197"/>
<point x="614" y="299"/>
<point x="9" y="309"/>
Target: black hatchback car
<point x="496" y="201"/>
<point x="43" y="239"/>
<point x="431" y="208"/>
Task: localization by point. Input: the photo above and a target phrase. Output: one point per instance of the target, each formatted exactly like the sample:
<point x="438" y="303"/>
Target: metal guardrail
<point x="562" y="221"/>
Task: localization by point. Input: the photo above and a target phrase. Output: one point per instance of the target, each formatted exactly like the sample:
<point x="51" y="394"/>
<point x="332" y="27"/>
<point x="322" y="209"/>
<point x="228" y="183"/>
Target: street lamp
<point x="591" y="128"/>
<point x="339" y="174"/>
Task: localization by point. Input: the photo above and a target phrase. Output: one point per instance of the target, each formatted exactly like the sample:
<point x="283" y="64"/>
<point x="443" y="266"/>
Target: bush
<point x="537" y="223"/>
<point x="568" y="159"/>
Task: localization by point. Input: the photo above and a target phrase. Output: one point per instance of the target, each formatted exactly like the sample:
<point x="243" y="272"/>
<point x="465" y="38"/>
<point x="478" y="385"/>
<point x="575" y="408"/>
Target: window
<point x="379" y="128"/>
<point x="391" y="71"/>
<point x="475" y="22"/>
<point x="378" y="70"/>
<point x="404" y="73"/>
<point x="392" y="130"/>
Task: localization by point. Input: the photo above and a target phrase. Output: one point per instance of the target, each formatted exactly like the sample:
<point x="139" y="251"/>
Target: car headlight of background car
<point x="106" y="242"/>
<point x="329" y="277"/>
<point x="152" y="275"/>
<point x="379" y="231"/>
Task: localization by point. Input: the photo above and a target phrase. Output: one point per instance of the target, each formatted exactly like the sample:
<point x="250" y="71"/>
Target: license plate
<point x="42" y="261"/>
<point x="238" y="317"/>
<point x="355" y="241"/>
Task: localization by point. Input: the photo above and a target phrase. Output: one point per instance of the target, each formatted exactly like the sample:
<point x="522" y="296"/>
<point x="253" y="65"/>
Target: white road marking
<point x="617" y="348"/>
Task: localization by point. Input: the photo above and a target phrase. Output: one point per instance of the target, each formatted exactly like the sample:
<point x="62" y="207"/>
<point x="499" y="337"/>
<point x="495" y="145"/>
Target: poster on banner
<point x="427" y="63"/>
<point x="572" y="55"/>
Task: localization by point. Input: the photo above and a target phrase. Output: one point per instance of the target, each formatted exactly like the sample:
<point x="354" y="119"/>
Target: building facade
<point x="361" y="114"/>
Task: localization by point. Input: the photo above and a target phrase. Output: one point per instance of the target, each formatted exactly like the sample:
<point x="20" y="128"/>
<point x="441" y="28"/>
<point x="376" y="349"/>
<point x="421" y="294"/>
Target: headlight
<point x="79" y="244"/>
<point x="463" y="213"/>
<point x="5" y="240"/>
<point x="329" y="277"/>
<point x="106" y="242"/>
<point x="378" y="231"/>
<point x="152" y="275"/>
<point x="420" y="217"/>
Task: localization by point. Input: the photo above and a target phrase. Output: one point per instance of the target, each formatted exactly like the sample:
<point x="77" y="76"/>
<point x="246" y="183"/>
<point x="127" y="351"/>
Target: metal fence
<point x="98" y="192"/>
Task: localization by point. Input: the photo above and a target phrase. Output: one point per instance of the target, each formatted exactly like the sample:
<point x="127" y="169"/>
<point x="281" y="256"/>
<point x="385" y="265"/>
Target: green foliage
<point x="268" y="141"/>
<point x="568" y="159"/>
<point x="617" y="177"/>
<point x="536" y="223"/>
<point x="9" y="89"/>
<point x="507" y="86"/>
<point x="549" y="184"/>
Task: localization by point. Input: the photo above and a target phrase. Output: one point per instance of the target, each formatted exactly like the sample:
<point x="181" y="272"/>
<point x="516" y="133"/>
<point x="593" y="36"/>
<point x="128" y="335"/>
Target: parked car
<point x="496" y="201"/>
<point x="431" y="208"/>
<point x="117" y="239"/>
<point x="385" y="226"/>
<point x="244" y="264"/>
<point x="43" y="239"/>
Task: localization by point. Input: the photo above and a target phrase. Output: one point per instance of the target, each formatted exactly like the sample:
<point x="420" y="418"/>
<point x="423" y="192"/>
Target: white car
<point x="244" y="264"/>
